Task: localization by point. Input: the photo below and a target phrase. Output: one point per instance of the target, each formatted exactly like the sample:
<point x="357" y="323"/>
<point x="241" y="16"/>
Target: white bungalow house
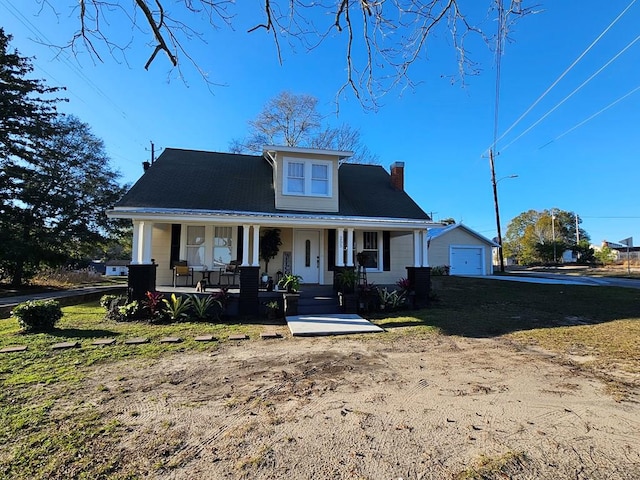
<point x="210" y="209"/>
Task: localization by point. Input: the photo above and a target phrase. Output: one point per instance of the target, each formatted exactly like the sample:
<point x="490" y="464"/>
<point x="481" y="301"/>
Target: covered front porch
<point x="311" y="246"/>
<point x="310" y="251"/>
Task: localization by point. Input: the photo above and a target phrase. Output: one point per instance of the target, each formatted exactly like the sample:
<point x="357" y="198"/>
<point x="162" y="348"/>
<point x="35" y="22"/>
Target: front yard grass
<point x="37" y="443"/>
<point x="41" y="440"/>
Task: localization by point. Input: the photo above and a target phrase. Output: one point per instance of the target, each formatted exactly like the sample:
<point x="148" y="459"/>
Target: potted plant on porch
<point x="291" y="284"/>
<point x="347" y="279"/>
<point x="270" y="244"/>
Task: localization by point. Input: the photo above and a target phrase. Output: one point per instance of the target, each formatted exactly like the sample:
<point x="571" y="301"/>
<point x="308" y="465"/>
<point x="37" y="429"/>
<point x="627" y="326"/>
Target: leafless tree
<point x="294" y="120"/>
<point x="380" y="40"/>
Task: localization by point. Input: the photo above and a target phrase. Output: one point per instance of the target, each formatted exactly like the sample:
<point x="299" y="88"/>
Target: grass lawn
<point x="598" y="322"/>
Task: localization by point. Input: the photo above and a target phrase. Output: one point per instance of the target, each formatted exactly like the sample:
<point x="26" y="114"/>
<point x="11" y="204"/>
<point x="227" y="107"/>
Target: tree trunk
<point x="18" y="273"/>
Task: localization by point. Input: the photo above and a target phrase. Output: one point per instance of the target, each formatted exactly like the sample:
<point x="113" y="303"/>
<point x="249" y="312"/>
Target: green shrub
<point x="391" y="300"/>
<point x="129" y="311"/>
<point x="153" y="305"/>
<point x="37" y="315"/>
<point x="440" y="270"/>
<point x="178" y="307"/>
<point x="204" y="307"/>
<point x="105" y="300"/>
<point x="112" y="305"/>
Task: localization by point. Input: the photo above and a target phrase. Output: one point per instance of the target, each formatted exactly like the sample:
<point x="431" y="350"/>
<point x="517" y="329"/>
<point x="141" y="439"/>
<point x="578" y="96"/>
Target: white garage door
<point x="466" y="260"/>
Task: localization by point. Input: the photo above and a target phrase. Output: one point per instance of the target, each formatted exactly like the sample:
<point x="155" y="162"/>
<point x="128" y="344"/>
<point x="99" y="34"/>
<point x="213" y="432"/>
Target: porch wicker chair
<point x="181" y="269"/>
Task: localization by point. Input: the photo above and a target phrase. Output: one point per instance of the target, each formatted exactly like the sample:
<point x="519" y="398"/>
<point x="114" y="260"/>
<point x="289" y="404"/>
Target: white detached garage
<point x="465" y="251"/>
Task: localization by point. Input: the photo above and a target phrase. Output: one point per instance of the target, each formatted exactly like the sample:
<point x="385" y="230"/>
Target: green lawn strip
<point x="615" y="343"/>
<point x="43" y="441"/>
<point x="84" y="324"/>
<point x="531" y="313"/>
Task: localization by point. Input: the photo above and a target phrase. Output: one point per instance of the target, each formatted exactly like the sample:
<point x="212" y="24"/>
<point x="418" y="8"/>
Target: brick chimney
<point x="397" y="175"/>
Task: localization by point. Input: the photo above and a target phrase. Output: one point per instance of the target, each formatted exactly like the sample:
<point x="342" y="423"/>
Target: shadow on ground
<point x="476" y="307"/>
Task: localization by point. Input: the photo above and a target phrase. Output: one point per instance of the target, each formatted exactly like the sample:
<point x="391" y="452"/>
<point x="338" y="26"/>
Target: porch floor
<point x="189" y="289"/>
<point x="329" y="324"/>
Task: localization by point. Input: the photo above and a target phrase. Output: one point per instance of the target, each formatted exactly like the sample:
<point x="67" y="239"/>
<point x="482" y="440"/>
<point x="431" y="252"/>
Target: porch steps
<point x="317" y="299"/>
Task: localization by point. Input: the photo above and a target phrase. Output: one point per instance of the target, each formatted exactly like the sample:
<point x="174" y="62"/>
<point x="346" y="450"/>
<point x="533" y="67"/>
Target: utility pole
<point x="553" y="233"/>
<point x="495" y="203"/>
<point x="577" y="236"/>
<point x="153" y="152"/>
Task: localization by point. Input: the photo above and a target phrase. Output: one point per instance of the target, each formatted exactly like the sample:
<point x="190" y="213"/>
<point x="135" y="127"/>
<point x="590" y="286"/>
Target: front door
<point x="306" y="255"/>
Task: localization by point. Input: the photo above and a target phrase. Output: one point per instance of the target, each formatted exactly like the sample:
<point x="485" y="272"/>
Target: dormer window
<point x="319" y="179"/>
<point x="310" y="178"/>
<point x="295" y="178"/>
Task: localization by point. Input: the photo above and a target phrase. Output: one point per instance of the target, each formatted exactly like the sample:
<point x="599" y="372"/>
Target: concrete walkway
<point x="330" y="324"/>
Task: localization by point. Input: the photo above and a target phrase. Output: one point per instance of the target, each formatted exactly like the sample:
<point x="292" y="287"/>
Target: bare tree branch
<point x="380" y="45"/>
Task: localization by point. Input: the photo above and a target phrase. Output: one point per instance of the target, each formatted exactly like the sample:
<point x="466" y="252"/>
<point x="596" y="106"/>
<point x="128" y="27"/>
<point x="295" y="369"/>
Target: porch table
<point x="206" y="275"/>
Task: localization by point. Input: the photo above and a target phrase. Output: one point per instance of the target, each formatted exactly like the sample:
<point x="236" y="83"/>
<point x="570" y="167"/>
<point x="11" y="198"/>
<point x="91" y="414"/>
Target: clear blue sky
<point x="439" y="129"/>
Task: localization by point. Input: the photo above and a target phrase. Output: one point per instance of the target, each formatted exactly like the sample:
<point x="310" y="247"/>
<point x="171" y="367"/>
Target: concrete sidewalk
<point x="329" y="324"/>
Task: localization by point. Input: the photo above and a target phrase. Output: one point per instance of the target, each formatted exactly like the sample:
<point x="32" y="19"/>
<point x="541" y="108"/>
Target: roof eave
<point x="292" y="219"/>
<point x="341" y="154"/>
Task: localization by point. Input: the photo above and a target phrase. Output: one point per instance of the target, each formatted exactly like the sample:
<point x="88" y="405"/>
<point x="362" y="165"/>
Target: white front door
<point x="306" y="255"/>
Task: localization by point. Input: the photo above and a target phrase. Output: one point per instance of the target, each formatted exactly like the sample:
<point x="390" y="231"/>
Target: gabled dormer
<point x="305" y="179"/>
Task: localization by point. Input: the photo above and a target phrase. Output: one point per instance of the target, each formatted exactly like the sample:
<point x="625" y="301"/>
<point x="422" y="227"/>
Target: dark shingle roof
<point x="197" y="180"/>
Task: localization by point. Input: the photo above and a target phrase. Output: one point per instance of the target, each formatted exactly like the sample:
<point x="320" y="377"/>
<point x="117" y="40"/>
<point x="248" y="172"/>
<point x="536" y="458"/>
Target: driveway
<point x="564" y="279"/>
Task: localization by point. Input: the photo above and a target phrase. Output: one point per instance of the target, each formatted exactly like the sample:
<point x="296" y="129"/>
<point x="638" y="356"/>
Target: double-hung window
<point x="307" y="178"/>
<point x="370" y="250"/>
<point x="295" y="178"/>
<point x="319" y="179"/>
<point x="222" y="245"/>
<point x="195" y="245"/>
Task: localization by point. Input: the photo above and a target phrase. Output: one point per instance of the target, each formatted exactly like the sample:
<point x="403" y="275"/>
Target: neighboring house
<point x="98" y="266"/>
<point x="622" y="252"/>
<point x="465" y="251"/>
<point x="211" y="208"/>
<point x="117" y="268"/>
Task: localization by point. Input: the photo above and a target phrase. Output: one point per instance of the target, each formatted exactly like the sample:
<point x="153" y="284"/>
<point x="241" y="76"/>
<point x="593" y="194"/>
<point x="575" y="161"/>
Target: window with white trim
<point x="222" y="245"/>
<point x="319" y="179"/>
<point x="370" y="250"/>
<point x="295" y="178"/>
<point x="195" y="245"/>
<point x="311" y="178"/>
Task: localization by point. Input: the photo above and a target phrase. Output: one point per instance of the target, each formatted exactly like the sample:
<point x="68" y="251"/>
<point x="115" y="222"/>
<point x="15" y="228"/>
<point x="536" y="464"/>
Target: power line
<point x="593" y="116"/>
<point x="65" y="59"/>
<point x="575" y="62"/>
<point x="42" y="38"/>
<point x="615" y="57"/>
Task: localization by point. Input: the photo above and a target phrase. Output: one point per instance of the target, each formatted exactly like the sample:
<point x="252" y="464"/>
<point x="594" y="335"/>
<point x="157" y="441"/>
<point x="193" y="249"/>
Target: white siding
<point x="161" y="251"/>
<point x="440" y="252"/>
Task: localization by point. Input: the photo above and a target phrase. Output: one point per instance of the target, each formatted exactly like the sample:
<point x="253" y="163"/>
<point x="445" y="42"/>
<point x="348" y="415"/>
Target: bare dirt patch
<point x="437" y="407"/>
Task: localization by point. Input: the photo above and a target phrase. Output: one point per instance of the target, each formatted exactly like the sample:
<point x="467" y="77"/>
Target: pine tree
<point x="55" y="180"/>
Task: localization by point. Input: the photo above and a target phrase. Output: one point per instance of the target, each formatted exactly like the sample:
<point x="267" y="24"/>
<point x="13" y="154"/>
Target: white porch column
<point x="255" y="259"/>
<point x="136" y="256"/>
<point x="147" y="231"/>
<point x="350" y="247"/>
<point x="425" y="248"/>
<point x="245" y="245"/>
<point x="339" y="247"/>
<point x="416" y="248"/>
